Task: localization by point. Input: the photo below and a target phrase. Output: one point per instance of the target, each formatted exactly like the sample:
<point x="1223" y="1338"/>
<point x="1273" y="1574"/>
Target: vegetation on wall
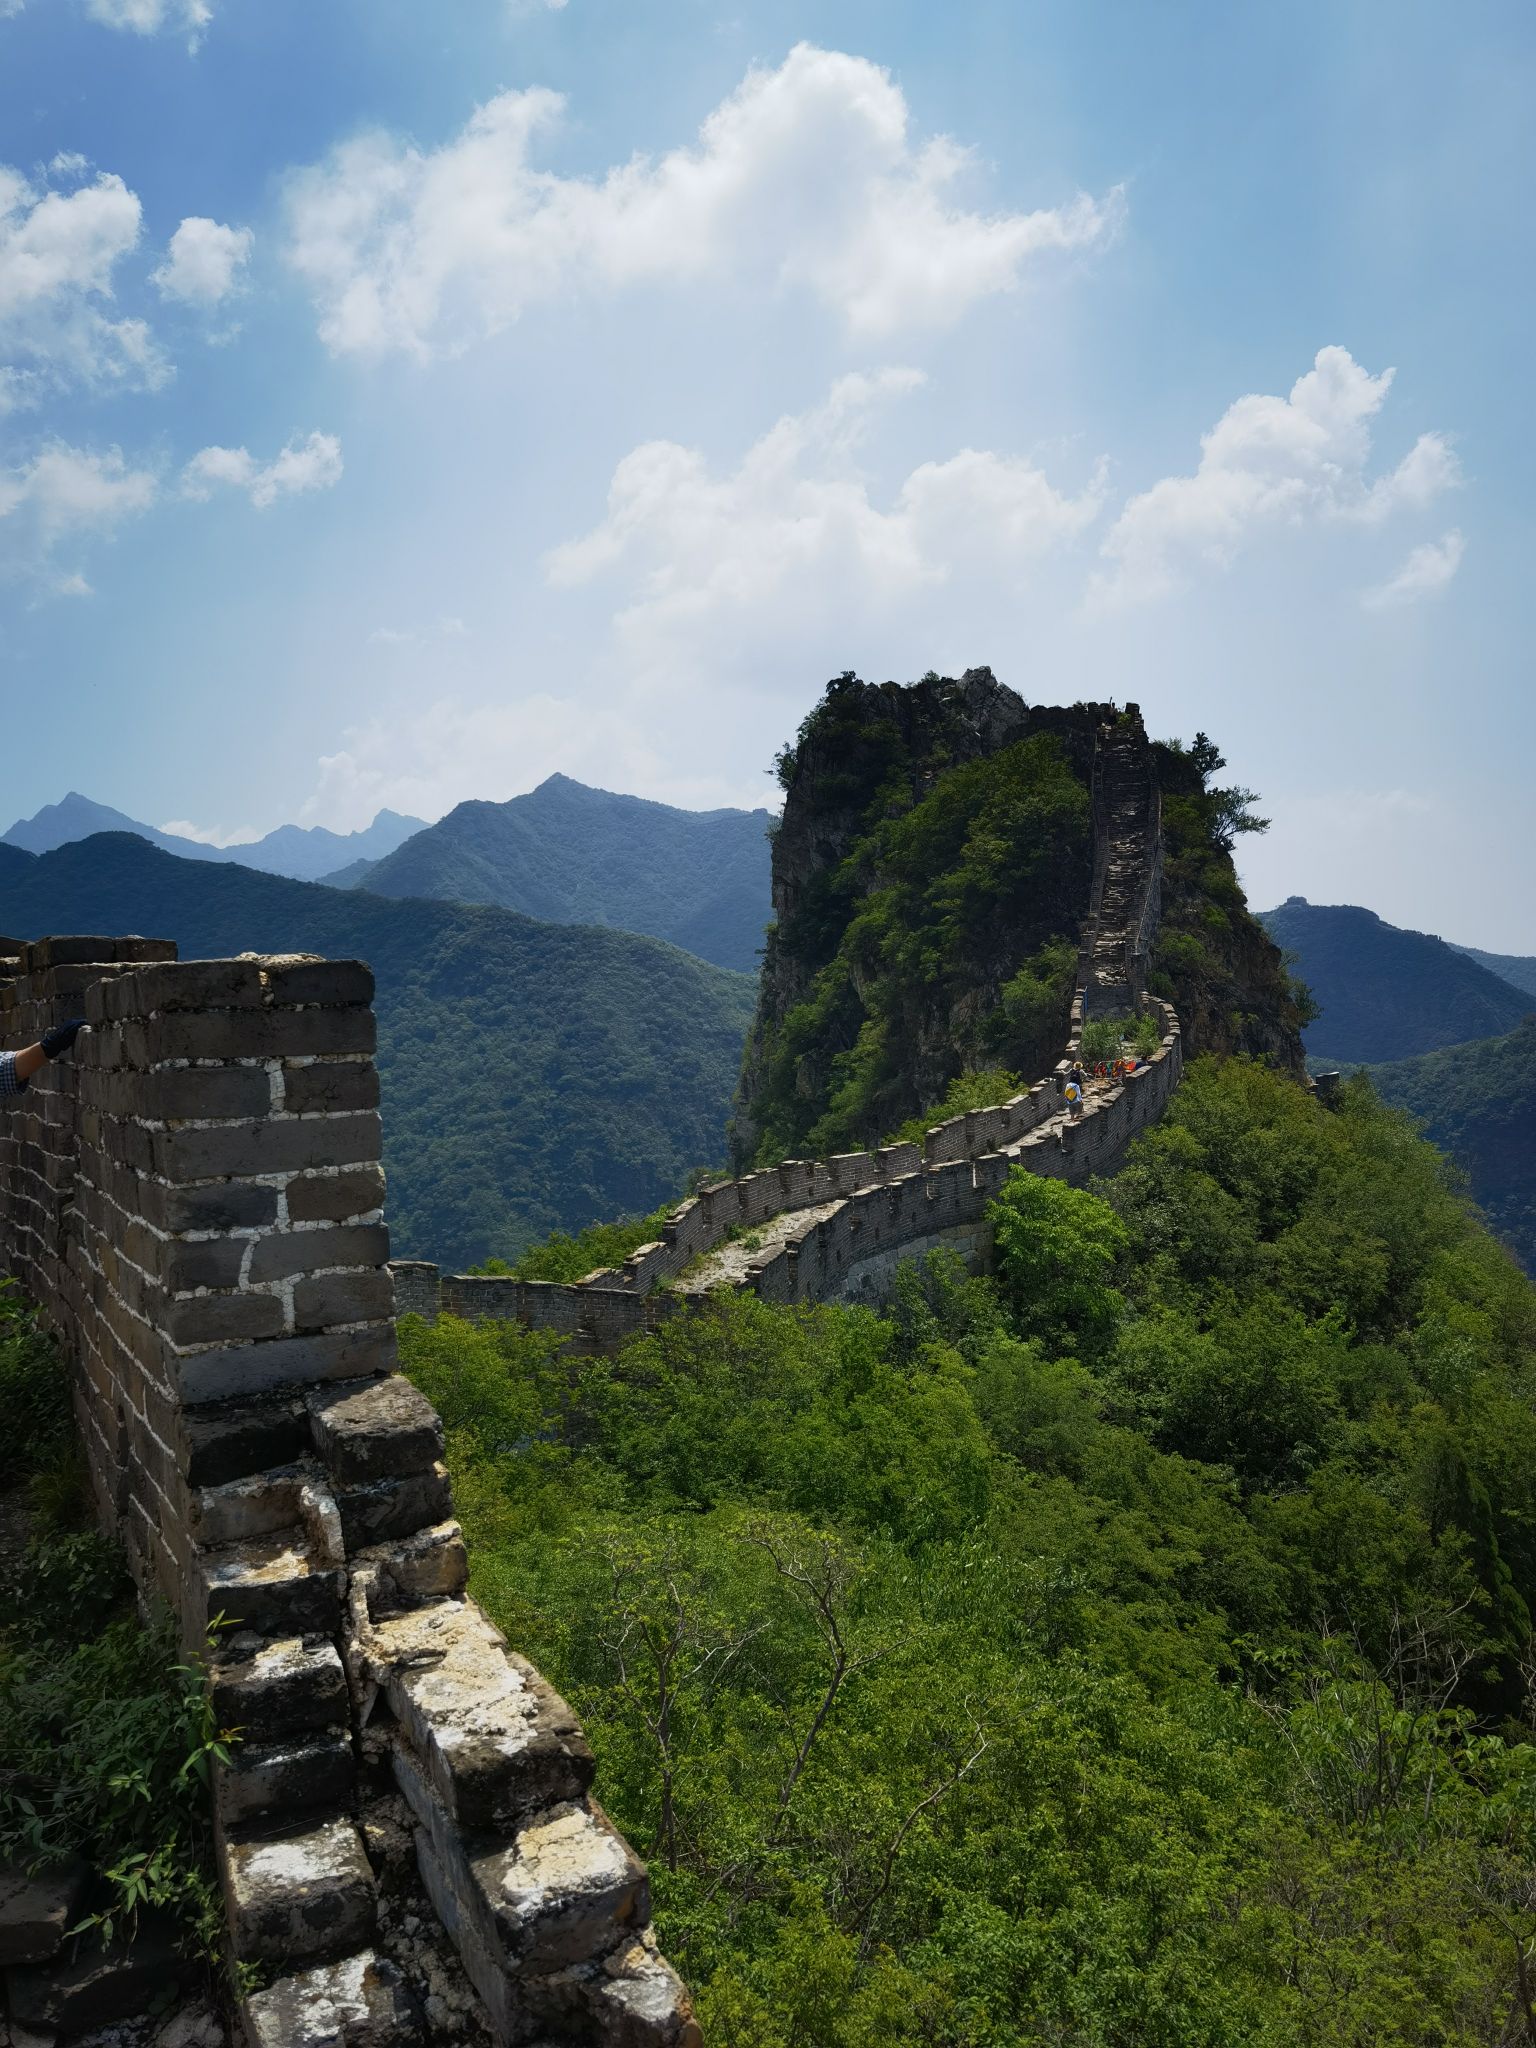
<point x="1129" y="1649"/>
<point x="106" y="1732"/>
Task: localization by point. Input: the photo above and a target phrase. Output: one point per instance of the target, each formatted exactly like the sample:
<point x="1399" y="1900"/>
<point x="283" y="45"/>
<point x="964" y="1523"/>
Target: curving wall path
<point x="837" y="1229"/>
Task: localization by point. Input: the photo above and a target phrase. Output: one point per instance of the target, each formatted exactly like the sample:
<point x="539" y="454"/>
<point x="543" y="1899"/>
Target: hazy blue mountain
<point x="1384" y="993"/>
<point x="576" y="855"/>
<point x="535" y="1076"/>
<point x="1518" y="969"/>
<point x="303" y="852"/>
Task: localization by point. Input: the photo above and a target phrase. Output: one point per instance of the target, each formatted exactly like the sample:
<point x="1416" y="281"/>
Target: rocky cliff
<point x="932" y="880"/>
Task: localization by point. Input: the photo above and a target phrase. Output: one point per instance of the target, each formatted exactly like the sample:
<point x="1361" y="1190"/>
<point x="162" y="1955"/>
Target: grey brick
<point x="266" y="1147"/>
<point x="334" y="1197"/>
<point x="361" y="1296"/>
<point x="249" y="1369"/>
<point x="304" y="1251"/>
<point x="331" y="1085"/>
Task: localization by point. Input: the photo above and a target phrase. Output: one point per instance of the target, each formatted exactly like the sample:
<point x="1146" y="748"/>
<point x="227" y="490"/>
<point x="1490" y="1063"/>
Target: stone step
<point x="630" y="1998"/>
<point x="299" y="1897"/>
<point x="278" y="1689"/>
<point x="494" y="1739"/>
<point x="271" y="1586"/>
<point x="278" y="1782"/>
<point x="360" y="2001"/>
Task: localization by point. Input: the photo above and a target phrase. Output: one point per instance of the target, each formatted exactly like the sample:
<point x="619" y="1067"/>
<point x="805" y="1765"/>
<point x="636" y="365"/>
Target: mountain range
<point x="302" y="852"/>
<point x="533" y="1075"/>
<point x="575" y="855"/>
<point x="1387" y="994"/>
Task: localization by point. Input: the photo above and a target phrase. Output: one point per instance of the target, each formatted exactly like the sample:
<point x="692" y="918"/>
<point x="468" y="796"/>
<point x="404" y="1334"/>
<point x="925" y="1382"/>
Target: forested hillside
<point x="1386" y="994"/>
<point x="1518" y="969"/>
<point x="534" y="1075"/>
<point x="1130" y="1649"/>
<point x="574" y="855"/>
<point x="1478" y="1103"/>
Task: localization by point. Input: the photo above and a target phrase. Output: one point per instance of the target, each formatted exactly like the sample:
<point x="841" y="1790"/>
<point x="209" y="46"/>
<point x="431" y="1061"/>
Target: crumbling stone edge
<point x="196" y="1205"/>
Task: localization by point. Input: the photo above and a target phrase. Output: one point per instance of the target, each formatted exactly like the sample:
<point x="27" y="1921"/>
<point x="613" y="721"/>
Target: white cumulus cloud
<point x="1271" y="462"/>
<point x="313" y="464"/>
<point x="58" y="252"/>
<point x="149" y="17"/>
<point x="1427" y="571"/>
<point x="795" y="531"/>
<point x="61" y="496"/>
<point x="807" y="177"/>
<point x="203" y="262"/>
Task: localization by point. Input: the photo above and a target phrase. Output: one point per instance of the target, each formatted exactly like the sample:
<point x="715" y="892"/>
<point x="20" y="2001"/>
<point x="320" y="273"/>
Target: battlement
<point x="864" y="1212"/>
<point x="195" y="1201"/>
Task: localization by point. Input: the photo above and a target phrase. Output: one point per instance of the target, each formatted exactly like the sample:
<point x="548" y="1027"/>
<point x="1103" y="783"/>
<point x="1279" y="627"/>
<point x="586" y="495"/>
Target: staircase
<point x="1125" y="880"/>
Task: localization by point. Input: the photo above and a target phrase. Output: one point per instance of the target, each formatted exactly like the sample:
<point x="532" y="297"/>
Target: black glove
<point x="61" y="1037"/>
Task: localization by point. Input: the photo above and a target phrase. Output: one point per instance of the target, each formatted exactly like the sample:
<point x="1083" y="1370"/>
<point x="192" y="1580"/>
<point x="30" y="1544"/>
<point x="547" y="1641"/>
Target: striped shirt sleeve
<point x="11" y="1082"/>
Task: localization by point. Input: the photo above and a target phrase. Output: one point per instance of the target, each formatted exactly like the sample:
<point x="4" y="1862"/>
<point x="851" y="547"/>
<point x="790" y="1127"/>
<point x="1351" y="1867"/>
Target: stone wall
<point x="195" y="1202"/>
<point x="891" y="1205"/>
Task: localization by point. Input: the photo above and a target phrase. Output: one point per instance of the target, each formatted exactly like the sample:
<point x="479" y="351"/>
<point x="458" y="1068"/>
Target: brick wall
<point x="195" y="1202"/>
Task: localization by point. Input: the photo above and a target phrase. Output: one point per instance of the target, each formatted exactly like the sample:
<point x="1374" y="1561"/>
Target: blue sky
<point x="404" y="402"/>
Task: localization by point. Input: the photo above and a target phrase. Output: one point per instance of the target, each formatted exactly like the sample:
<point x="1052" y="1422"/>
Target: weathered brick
<point x="221" y="1318"/>
<point x="209" y="1262"/>
<point x="319" y="981"/>
<point x="59" y="952"/>
<point x="359" y="1296"/>
<point x="307" y="1251"/>
<point x="284" y="1362"/>
<point x="187" y="985"/>
<point x="226" y="1205"/>
<point x="374" y="1511"/>
<point x="333" y="1197"/>
<point x="248" y="1034"/>
<point x="375" y="1429"/>
<point x="331" y="1085"/>
<point x="196" y="1092"/>
<point x="232" y="1440"/>
<point x="265" y="1147"/>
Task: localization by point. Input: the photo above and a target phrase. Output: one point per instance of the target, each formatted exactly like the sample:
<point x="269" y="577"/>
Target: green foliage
<point x="1211" y="958"/>
<point x="939" y="897"/>
<point x="1056" y="1250"/>
<point x="565" y="1258"/>
<point x="1114" y="1651"/>
<point x="533" y="1075"/>
<point x="106" y="1735"/>
<point x="967" y="1092"/>
<point x="1478" y="1103"/>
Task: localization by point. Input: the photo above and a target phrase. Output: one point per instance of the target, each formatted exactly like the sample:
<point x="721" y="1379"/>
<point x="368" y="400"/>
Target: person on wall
<point x="17" y="1068"/>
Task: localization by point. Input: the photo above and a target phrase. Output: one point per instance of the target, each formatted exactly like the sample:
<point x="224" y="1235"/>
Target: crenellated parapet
<point x="195" y="1202"/>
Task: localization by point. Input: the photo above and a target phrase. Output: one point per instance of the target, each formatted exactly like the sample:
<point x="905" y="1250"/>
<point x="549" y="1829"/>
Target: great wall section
<point x="836" y="1229"/>
<point x="195" y="1204"/>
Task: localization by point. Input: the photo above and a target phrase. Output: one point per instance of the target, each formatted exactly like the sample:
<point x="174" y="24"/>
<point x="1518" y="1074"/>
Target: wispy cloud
<point x="1426" y="571"/>
<point x="313" y="464"/>
<point x="1269" y="463"/>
